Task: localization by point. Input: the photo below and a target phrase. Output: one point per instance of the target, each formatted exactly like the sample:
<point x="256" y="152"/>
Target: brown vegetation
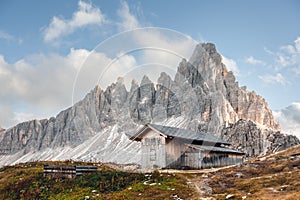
<point x="275" y="176"/>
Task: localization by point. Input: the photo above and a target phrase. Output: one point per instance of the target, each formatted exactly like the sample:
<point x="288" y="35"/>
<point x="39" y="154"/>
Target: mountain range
<point x="203" y="96"/>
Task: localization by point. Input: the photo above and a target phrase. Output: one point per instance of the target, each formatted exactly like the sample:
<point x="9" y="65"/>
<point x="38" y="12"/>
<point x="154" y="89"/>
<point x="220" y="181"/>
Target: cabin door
<point x="192" y="160"/>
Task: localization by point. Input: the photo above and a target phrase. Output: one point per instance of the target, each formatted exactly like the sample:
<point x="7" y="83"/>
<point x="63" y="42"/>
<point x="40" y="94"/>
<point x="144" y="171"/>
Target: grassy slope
<point x="26" y="181"/>
<point x="272" y="177"/>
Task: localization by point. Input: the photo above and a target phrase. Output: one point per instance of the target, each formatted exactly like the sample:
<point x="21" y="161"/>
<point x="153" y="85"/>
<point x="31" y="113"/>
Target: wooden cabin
<point x="170" y="147"/>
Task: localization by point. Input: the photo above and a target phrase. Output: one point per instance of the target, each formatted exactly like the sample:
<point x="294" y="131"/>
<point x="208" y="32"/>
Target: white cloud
<point x="85" y="15"/>
<point x="231" y="65"/>
<point x="100" y="69"/>
<point x="5" y="36"/>
<point x="284" y="61"/>
<point x="164" y="46"/>
<point x="3" y="67"/>
<point x="6" y="116"/>
<point x="296" y="70"/>
<point x="297" y="44"/>
<point x="22" y="117"/>
<point x="288" y="48"/>
<point x="278" y="78"/>
<point x="289" y="119"/>
<point x="129" y="21"/>
<point x="251" y="60"/>
<point x="77" y="57"/>
<point x="289" y="55"/>
<point x="37" y="86"/>
<point x="162" y="50"/>
<point x="40" y="86"/>
<point x="268" y="51"/>
<point x="286" y="58"/>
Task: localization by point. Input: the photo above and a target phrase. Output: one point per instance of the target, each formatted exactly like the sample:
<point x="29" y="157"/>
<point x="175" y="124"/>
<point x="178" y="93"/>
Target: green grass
<point x="26" y="181"/>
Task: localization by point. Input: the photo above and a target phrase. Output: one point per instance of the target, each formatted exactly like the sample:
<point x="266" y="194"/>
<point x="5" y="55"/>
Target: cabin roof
<point x="168" y="131"/>
<point x="215" y="149"/>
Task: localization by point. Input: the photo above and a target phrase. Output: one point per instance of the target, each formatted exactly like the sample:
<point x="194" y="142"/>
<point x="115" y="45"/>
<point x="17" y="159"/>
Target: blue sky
<point x="42" y="43"/>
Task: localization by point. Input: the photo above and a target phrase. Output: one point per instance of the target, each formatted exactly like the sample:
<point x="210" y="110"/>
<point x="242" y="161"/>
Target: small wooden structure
<point x="170" y="147"/>
<point x="67" y="171"/>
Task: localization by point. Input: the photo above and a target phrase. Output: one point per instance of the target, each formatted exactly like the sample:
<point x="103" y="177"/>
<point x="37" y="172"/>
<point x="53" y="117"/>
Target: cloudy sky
<point x="53" y="52"/>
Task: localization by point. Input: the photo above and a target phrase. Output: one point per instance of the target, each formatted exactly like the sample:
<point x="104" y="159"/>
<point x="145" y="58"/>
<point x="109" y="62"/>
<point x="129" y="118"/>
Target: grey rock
<point x="203" y="96"/>
<point x="247" y="136"/>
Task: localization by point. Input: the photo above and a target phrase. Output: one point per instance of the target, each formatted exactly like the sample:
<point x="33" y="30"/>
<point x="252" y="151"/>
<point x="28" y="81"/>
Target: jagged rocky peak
<point x="204" y="96"/>
<point x="208" y="63"/>
<point x="203" y="53"/>
<point x="164" y="79"/>
<point x="146" y="80"/>
<point x="146" y="87"/>
<point x="19" y="137"/>
<point x="254" y="140"/>
<point x="120" y="90"/>
<point x="134" y="85"/>
<point x="204" y="67"/>
<point x="205" y="70"/>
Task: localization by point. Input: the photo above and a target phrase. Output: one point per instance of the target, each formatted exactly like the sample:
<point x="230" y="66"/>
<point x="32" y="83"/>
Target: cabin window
<point x="158" y="141"/>
<point x="153" y="141"/>
<point x="148" y="141"/>
<point x="152" y="154"/>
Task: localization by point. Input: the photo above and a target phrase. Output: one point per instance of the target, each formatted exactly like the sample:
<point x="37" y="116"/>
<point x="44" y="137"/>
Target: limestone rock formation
<point x="253" y="139"/>
<point x="203" y="96"/>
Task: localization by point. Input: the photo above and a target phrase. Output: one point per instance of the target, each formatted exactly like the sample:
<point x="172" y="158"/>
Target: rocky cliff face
<point x="203" y="96"/>
<point x="255" y="139"/>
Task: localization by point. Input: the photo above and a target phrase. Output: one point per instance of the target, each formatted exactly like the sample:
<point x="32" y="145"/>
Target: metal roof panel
<point x="187" y="134"/>
<point x="216" y="149"/>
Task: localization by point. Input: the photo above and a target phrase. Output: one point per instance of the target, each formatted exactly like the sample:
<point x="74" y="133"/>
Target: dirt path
<point x="199" y="171"/>
<point x="197" y="179"/>
<point x="192" y="183"/>
<point x="200" y="185"/>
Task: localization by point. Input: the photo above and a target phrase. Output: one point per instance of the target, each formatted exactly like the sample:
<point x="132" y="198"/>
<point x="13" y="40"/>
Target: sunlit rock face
<point x="203" y="96"/>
